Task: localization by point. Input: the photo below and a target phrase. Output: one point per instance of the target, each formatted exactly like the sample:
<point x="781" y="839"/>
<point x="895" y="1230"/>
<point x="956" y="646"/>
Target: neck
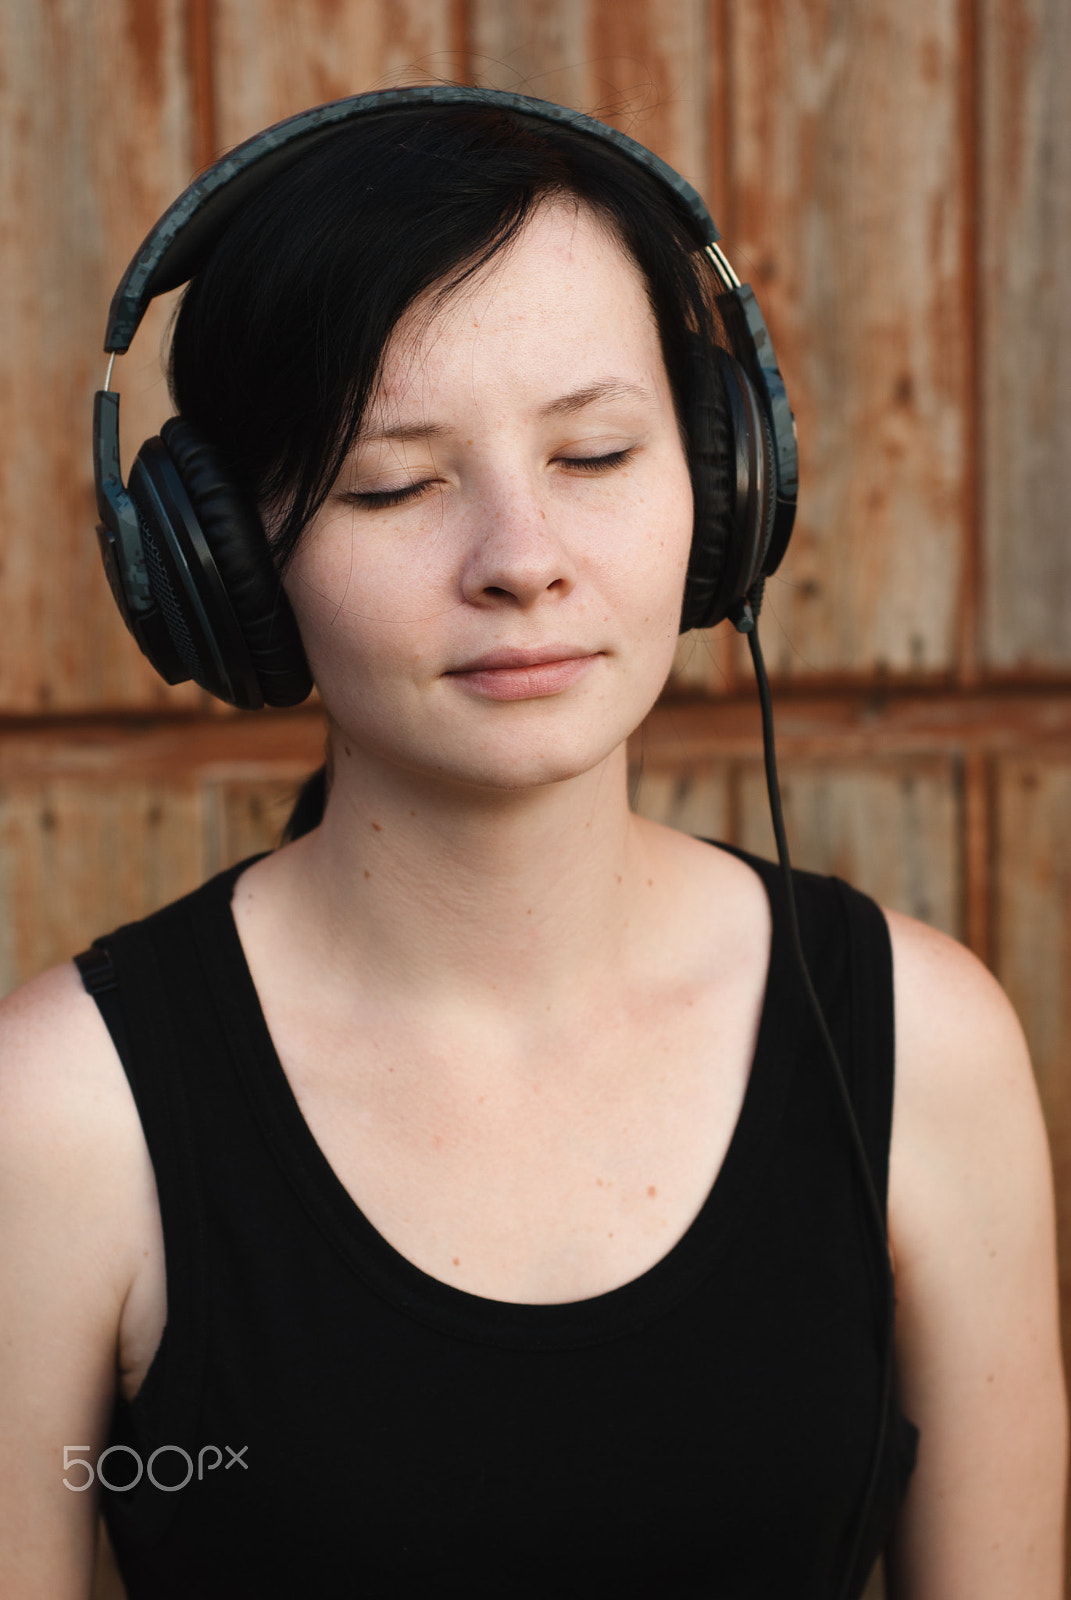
<point x="470" y="894"/>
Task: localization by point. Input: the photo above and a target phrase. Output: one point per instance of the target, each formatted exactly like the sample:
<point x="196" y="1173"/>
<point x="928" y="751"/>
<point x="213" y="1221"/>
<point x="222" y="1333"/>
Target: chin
<point x="471" y="768"/>
<point x="504" y="770"/>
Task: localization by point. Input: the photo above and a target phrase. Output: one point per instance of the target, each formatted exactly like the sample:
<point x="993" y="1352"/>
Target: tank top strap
<point x="871" y="1027"/>
<point x="846" y="943"/>
<point x="145" y="977"/>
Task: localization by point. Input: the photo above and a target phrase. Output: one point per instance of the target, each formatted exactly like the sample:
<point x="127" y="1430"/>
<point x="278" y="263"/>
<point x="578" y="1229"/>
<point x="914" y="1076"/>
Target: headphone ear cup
<point x="166" y="632"/>
<point x="734" y="488"/>
<point x="709" y="453"/>
<point x="233" y="614"/>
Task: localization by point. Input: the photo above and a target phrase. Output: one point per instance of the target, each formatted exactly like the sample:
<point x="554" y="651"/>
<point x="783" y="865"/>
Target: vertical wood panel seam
<point x="718" y="120"/>
<point x="461" y="37"/>
<point x="978" y="855"/>
<point x="735" y="803"/>
<point x="967" y="651"/>
<point x="201" y="65"/>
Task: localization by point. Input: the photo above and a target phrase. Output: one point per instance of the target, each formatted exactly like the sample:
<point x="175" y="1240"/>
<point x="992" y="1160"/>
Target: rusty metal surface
<point x="1025" y="327"/>
<point x="86" y="170"/>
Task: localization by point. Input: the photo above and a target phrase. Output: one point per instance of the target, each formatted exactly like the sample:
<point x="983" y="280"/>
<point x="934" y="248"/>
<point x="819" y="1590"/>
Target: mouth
<point x="512" y="674"/>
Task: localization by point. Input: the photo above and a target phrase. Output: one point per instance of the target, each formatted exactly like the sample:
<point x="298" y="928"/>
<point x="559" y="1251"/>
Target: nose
<point x="516" y="555"/>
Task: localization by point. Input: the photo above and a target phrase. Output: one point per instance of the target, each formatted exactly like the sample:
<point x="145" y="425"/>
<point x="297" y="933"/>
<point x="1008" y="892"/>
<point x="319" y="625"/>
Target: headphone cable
<point x="746" y="624"/>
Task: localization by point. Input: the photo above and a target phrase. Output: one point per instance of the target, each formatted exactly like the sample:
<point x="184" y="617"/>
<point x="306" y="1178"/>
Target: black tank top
<point x="323" y="1419"/>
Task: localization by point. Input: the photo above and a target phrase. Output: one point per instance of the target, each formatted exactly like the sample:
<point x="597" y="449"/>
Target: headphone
<point x="186" y="555"/>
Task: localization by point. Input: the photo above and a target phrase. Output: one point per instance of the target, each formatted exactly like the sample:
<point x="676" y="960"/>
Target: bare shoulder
<point x="74" y="1193"/>
<point x="967" y="1121"/>
<point x="58" y="1066"/>
<point x="70" y="1137"/>
<point x="972" y="1232"/>
<point x="969" y="1148"/>
<point x="960" y="1047"/>
<point x="931" y="966"/>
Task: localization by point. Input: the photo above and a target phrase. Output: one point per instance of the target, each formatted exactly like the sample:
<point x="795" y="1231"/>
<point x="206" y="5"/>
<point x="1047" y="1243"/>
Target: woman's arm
<point x="972" y="1233"/>
<point x="71" y="1162"/>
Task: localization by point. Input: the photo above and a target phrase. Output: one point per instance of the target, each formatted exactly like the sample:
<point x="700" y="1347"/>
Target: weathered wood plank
<point x="641" y="66"/>
<point x="1033" y="938"/>
<point x="244" y="816"/>
<point x="978" y="854"/>
<point x="79" y="855"/>
<point x="100" y="824"/>
<point x="1033" y="955"/>
<point x="105" y="825"/>
<point x="542" y="48"/>
<point x="1024" y="239"/>
<point x="268" y="744"/>
<point x="846" y="214"/>
<point x="861" y="723"/>
<point x="77" y="859"/>
<point x="650" y="63"/>
<point x="891" y="828"/>
<point x="273" y="58"/>
<point x="87" y="169"/>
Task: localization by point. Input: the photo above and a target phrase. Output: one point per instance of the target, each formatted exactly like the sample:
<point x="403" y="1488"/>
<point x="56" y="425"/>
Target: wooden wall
<point x="894" y="178"/>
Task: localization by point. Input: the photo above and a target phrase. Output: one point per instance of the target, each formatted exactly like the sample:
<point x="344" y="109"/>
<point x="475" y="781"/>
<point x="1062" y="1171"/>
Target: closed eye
<point x="376" y="499"/>
<point x="605" y="463"/>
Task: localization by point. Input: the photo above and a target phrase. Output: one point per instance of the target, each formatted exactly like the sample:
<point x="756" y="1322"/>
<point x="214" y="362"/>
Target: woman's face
<point x="491" y="594"/>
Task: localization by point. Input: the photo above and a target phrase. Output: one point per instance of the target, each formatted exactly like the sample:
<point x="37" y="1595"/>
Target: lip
<point x="499" y="660"/>
<point x="514" y="674"/>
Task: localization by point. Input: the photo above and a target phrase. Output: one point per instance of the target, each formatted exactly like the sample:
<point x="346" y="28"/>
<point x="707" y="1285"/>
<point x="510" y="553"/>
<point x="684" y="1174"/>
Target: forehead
<point x="564" y="295"/>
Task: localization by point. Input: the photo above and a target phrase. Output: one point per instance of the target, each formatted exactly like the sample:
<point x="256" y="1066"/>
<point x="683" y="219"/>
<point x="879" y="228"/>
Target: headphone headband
<point x="181" y="241"/>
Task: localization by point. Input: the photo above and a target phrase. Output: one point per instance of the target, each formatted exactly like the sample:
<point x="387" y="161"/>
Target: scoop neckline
<point x="418" y="1294"/>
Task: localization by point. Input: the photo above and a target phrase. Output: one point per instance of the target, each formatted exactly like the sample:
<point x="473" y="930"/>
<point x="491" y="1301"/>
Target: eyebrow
<point x="564" y="406"/>
<point x="404" y="430"/>
<point x="607" y="389"/>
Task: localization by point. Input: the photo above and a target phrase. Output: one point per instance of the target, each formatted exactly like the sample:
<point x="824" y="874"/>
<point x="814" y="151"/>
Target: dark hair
<point x="279" y="339"/>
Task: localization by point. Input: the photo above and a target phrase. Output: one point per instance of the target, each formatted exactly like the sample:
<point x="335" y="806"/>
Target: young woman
<point x="458" y="1199"/>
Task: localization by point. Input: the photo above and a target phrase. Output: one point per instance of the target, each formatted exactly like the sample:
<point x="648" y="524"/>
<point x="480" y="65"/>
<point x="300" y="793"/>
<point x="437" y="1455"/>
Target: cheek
<point x="665" y="592"/>
<point x="365" y="620"/>
<point x="664" y="525"/>
<point x="340" y="573"/>
<point x="331" y="602"/>
<point x="682" y="519"/>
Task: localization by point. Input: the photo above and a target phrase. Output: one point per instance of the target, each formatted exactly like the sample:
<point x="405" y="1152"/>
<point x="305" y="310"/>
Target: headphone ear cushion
<point x="711" y="459"/>
<point x="734" y="485"/>
<point x="238" y="544"/>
